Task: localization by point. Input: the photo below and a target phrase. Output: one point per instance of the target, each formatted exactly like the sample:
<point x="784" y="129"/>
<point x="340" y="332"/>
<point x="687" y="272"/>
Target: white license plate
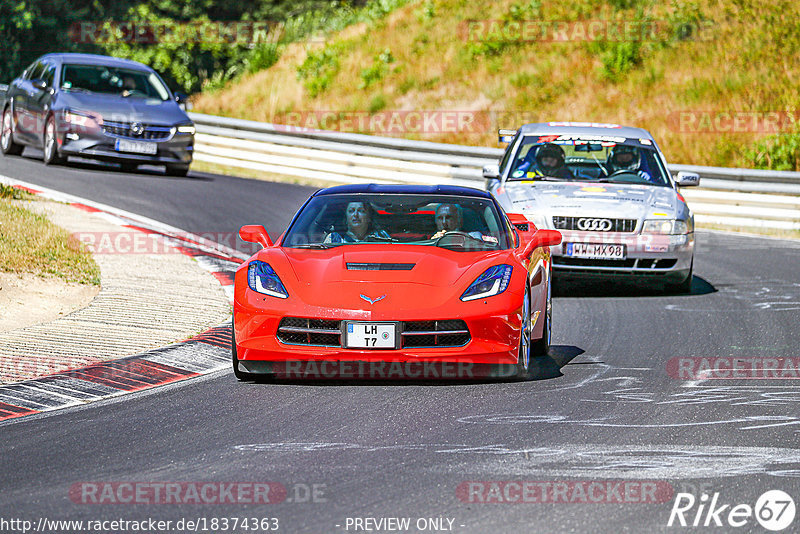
<point x="370" y="335"/>
<point x="595" y="251"/>
<point x="139" y="147"/>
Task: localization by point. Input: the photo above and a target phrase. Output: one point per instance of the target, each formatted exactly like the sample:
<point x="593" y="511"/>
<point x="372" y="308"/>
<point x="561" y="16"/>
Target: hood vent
<point x="380" y="266"/>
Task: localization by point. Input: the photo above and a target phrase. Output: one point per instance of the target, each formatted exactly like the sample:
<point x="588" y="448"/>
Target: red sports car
<point x="394" y="281"/>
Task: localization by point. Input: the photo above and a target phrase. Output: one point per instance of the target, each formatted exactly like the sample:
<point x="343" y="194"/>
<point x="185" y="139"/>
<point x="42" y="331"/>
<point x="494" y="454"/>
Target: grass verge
<point x="29" y="243"/>
<point x="713" y="81"/>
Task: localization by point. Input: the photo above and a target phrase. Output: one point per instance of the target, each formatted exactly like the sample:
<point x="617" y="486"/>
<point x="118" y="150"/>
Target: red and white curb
<point x="200" y="355"/>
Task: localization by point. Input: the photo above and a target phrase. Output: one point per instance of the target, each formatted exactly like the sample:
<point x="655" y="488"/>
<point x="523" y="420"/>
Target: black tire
<point x="685" y="286"/>
<point x="7" y="144"/>
<point x="177" y="170"/>
<point x="541" y="347"/>
<point x="240" y="375"/>
<point x="50" y="153"/>
<point x="524" y="356"/>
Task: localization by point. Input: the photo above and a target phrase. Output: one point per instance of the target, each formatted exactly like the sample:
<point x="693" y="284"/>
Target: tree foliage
<point x="193" y="57"/>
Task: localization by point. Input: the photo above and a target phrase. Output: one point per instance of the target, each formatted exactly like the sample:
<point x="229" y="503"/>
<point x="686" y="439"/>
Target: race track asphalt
<point x="603" y="409"/>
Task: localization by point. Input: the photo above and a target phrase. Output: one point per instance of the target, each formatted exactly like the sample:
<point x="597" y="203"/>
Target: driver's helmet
<point x="553" y="151"/>
<point x="624" y="158"/>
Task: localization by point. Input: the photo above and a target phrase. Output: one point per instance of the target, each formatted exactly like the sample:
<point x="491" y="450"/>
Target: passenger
<point x="359" y="218"/>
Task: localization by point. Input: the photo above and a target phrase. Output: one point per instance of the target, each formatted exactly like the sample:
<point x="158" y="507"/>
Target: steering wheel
<point x="455" y="233"/>
<point x="621" y="171"/>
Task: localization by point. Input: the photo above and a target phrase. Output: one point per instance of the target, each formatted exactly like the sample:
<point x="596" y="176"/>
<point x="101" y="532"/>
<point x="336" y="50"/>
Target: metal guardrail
<point x="728" y="197"/>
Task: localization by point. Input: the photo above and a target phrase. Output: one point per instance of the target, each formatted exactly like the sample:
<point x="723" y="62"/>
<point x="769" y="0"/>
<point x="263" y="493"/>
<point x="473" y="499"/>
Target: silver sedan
<point x="608" y="190"/>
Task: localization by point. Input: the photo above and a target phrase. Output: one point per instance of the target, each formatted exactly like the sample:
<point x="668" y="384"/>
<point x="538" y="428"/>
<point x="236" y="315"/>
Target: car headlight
<point x="83" y="118"/>
<point x="666" y="226"/>
<point x="187" y="129"/>
<point x="262" y="279"/>
<point x="493" y="281"/>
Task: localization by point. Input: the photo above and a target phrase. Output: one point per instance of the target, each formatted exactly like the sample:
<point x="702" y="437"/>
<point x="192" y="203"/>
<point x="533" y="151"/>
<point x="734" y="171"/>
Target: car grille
<point x="450" y="333"/>
<point x="629" y="263"/>
<point x="327" y="333"/>
<point x="617" y="225"/>
<point x="588" y="262"/>
<point x="321" y="332"/>
<point x="151" y="132"/>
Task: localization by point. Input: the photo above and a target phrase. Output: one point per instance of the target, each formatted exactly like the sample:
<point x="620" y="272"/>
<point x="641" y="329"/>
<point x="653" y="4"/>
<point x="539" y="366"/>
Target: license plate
<point x="595" y="251"/>
<point x="139" y="147"/>
<point x="370" y="335"/>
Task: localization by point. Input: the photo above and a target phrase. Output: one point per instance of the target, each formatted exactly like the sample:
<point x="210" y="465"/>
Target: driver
<point x="358" y="216"/>
<point x="550" y="161"/>
<point x="128" y="85"/>
<point x="623" y="158"/>
<point x="449" y="218"/>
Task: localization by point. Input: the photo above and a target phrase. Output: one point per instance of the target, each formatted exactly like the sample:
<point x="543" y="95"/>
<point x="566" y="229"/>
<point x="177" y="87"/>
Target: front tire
<point x="177" y="170"/>
<point x="524" y="357"/>
<point x="50" y="144"/>
<point x="685" y="286"/>
<point x="7" y="144"/>
<point x="240" y="375"/>
<point x="541" y="347"/>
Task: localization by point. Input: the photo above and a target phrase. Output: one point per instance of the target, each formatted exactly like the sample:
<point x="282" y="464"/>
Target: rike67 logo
<point x="774" y="510"/>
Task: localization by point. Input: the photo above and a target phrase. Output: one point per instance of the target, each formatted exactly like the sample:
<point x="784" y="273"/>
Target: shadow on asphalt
<point x="91" y="165"/>
<point x="540" y="368"/>
<point x="601" y="288"/>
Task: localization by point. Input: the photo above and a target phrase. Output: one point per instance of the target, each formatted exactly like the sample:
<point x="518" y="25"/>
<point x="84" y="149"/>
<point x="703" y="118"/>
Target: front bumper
<point x="646" y="255"/>
<point x="493" y="324"/>
<point x="95" y="143"/>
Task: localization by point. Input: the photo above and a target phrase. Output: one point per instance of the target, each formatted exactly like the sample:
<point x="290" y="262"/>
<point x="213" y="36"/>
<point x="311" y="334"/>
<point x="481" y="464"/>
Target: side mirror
<point x="491" y="172"/>
<point x="183" y="100"/>
<point x="542" y="238"/>
<point x="687" y="179"/>
<point x="39" y="84"/>
<point x="255" y="233"/>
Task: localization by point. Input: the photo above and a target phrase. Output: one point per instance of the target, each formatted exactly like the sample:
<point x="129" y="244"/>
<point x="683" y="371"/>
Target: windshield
<point x="570" y="158"/>
<point x="446" y="221"/>
<point x="127" y="83"/>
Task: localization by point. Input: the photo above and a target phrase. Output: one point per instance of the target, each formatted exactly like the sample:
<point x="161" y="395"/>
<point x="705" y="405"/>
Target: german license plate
<point x="138" y="147"/>
<point x="595" y="251"/>
<point x="370" y="335"/>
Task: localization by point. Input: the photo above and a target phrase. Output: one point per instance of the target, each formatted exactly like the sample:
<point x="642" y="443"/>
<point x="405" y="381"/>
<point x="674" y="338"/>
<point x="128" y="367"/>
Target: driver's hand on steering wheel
<point x="439" y="234"/>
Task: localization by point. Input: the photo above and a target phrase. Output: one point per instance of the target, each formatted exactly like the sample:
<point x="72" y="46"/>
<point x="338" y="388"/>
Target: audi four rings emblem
<point x="594" y="225"/>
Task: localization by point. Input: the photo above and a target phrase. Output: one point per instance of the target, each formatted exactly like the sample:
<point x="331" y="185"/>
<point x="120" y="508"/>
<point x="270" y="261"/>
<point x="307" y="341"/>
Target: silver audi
<point x="608" y="189"/>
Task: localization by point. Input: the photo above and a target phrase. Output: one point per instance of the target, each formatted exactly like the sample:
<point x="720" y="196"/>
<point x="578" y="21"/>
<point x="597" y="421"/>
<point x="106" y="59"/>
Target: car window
<point x="446" y="221"/>
<point x="49" y="75"/>
<point x="507" y="154"/>
<point x="572" y="158"/>
<point x="34" y="71"/>
<point x="129" y="83"/>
